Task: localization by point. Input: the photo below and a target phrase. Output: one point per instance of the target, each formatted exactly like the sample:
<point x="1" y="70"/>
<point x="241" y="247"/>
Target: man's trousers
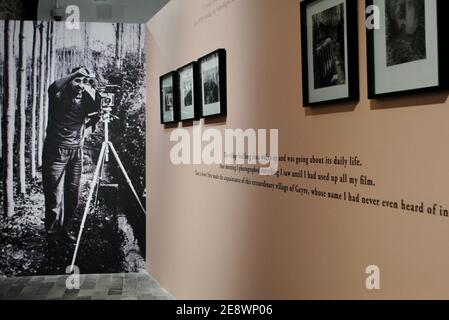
<point x="61" y="175"/>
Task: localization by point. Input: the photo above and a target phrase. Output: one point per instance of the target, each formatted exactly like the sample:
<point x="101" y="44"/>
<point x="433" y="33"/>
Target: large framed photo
<point x="407" y="53"/>
<point x="169" y="98"/>
<point x="189" y="98"/>
<point x="329" y="41"/>
<point x="213" y="84"/>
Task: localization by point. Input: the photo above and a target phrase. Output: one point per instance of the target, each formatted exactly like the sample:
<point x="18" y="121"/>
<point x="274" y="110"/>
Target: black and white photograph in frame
<point x="407" y="53"/>
<point x="188" y="92"/>
<point x="169" y="101"/>
<point x="213" y="84"/>
<point x="66" y="94"/>
<point x="329" y="51"/>
<point x="405" y="31"/>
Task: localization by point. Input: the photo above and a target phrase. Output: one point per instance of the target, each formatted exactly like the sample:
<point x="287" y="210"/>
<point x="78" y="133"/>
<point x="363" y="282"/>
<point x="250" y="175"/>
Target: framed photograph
<point x="169" y="98"/>
<point x="189" y="98"/>
<point x="213" y="84"/>
<point x="329" y="42"/>
<point x="407" y="53"/>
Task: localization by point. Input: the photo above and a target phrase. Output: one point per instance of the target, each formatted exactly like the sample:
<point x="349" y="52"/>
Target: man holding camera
<point x="71" y="100"/>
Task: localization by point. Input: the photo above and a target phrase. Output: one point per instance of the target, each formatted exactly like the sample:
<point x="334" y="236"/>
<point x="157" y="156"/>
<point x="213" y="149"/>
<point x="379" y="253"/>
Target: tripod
<point x="106" y="146"/>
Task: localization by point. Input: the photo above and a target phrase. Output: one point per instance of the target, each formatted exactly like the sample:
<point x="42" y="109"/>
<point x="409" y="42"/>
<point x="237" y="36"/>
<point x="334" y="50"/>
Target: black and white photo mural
<point x="72" y="168"/>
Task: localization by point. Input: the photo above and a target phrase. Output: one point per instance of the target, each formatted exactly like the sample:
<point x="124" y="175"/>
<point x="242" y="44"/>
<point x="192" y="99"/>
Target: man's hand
<point x="92" y="122"/>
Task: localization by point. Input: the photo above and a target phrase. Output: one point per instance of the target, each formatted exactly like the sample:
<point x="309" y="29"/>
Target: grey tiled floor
<point x="129" y="286"/>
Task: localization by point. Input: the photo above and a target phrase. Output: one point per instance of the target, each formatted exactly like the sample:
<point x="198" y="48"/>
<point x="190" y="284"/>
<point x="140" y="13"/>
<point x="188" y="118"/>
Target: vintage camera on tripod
<point x="108" y="96"/>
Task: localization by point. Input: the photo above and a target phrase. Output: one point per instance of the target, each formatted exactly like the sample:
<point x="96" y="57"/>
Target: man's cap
<point x="92" y="75"/>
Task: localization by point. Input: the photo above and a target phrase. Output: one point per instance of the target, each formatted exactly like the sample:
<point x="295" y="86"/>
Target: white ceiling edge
<point x="126" y="11"/>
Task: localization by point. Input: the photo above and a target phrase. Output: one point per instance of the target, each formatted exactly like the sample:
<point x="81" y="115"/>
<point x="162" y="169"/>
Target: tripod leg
<point x="98" y="184"/>
<point x="126" y="176"/>
<point x="89" y="200"/>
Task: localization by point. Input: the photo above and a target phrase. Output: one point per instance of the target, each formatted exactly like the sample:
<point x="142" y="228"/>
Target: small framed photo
<point x="169" y="98"/>
<point x="189" y="97"/>
<point x="407" y="53"/>
<point x="213" y="84"/>
<point x="329" y="42"/>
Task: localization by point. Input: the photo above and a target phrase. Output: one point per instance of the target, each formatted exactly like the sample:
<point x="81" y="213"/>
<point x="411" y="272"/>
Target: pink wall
<point x="214" y="240"/>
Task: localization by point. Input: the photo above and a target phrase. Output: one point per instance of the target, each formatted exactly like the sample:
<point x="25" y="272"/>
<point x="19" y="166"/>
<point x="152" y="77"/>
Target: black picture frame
<point x="169" y="99"/>
<point x="209" y="106"/>
<point x="441" y="53"/>
<point x="328" y="86"/>
<point x="187" y="113"/>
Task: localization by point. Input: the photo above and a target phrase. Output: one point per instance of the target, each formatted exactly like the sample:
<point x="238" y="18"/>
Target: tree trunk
<point x="1" y="118"/>
<point x="46" y="77"/>
<point x="22" y="102"/>
<point x="86" y="44"/>
<point x="118" y="45"/>
<point x="140" y="43"/>
<point x="52" y="50"/>
<point x="121" y="45"/>
<point x="40" y="134"/>
<point x="9" y="120"/>
<point x="117" y="35"/>
<point x="63" y="52"/>
<point x="34" y="102"/>
<point x="2" y="93"/>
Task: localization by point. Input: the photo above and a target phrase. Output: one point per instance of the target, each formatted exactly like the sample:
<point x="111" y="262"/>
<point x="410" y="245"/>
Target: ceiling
<point x="127" y="11"/>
